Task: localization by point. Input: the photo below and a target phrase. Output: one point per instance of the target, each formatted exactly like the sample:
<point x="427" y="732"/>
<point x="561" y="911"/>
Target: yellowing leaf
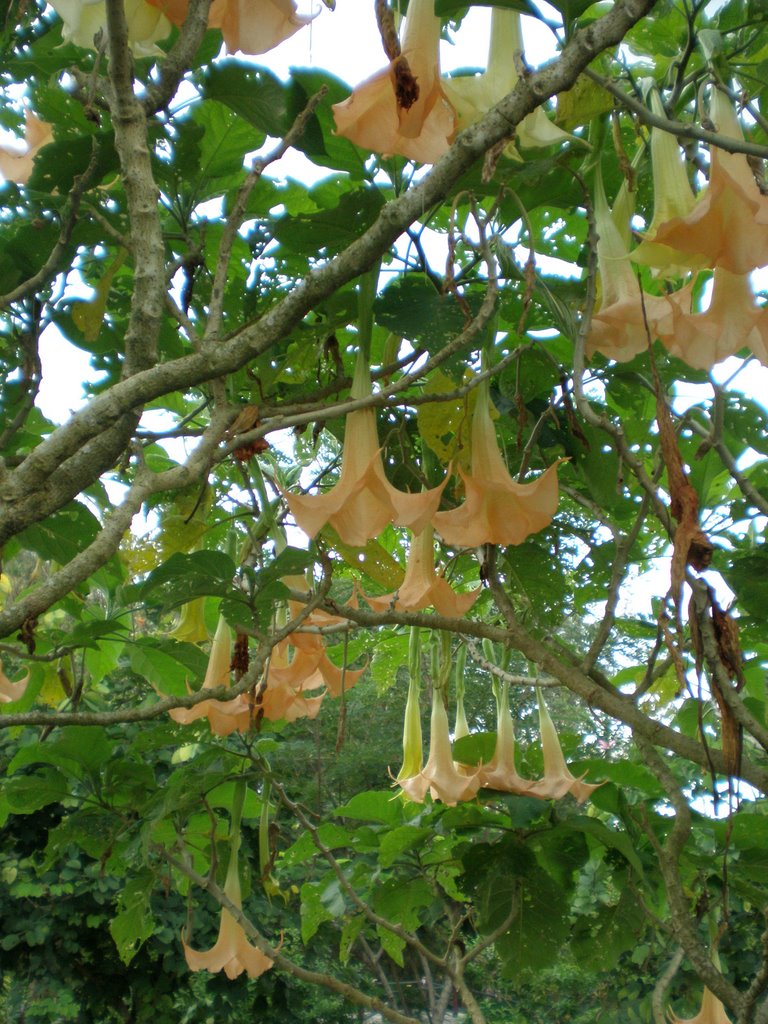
<point x="89" y="315"/>
<point x="445" y="426"/>
<point x="375" y="561"/>
<point x="585" y="101"/>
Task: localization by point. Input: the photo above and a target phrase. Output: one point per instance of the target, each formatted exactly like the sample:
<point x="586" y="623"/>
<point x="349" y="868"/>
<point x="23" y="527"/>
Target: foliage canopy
<point x="440" y="431"/>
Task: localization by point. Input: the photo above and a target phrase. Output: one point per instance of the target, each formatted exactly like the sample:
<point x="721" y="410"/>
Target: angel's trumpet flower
<point x="440" y="775"/>
<point x="728" y="226"/>
<point x="473" y="96"/>
<point x="363" y="501"/>
<point x="500" y="772"/>
<point x="732" y="322"/>
<point x="232" y="952"/>
<point x="17" y="165"/>
<point x="672" y="198"/>
<point x="558" y="779"/>
<point x="422" y="587"/>
<point x="496" y="509"/>
<point x="250" y="26"/>
<point x="191" y="626"/>
<point x="377" y="116"/>
<point x="628" y="319"/>
<point x="224" y="716"/>
<point x="9" y="691"/>
<point x="85" y="19"/>
<point x="712" y="1012"/>
<point x="413" y="750"/>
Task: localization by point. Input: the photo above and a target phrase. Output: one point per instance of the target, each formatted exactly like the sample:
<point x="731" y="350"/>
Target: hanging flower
<point x="732" y="322"/>
<point x="84" y="19"/>
<point x="440" y="775"/>
<point x="191" y="626"/>
<point x="496" y="509"/>
<point x="363" y="501"/>
<point x="379" y="118"/>
<point x="413" y="756"/>
<point x="558" y="779"/>
<point x="728" y="226"/>
<point x="500" y="772"/>
<point x="422" y="587"/>
<point x="250" y="26"/>
<point x="627" y="316"/>
<point x="712" y="1012"/>
<point x="232" y="953"/>
<point x="672" y="198"/>
<point x="9" y="691"/>
<point x="224" y="716"/>
<point x="473" y="96"/>
<point x="17" y="165"/>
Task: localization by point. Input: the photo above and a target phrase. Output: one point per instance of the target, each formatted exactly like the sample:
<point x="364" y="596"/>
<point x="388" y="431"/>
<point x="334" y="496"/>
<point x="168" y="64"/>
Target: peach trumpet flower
<point x="374" y="116"/>
<point x="712" y="1012"/>
<point x="84" y="19"/>
<point x="440" y="776"/>
<point x="732" y="322"/>
<point x="363" y="501"/>
<point x="232" y="952"/>
<point x="473" y="96"/>
<point x="17" y="165"/>
<point x="496" y="509"/>
<point x="728" y="226"/>
<point x="558" y="779"/>
<point x="672" y="198"/>
<point x="224" y="716"/>
<point x="422" y="587"/>
<point x="626" y="317"/>
<point x="500" y="773"/>
<point x="250" y="26"/>
<point x="10" y="691"/>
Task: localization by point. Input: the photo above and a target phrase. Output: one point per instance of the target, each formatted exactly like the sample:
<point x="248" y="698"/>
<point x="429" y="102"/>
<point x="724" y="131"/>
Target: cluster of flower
<point x="723" y="229"/>
<point x="451" y="782"/>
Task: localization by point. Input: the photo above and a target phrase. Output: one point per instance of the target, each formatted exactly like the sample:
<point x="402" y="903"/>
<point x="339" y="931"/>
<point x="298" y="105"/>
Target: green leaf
<point x="254" y="93"/>
<point x="76" y="747"/>
<point x="186" y="576"/>
<point x="29" y="793"/>
<point x="413" y="308"/>
<point x="134" y="922"/>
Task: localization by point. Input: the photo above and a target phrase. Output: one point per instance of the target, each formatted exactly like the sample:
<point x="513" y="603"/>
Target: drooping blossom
<point x="422" y="587"/>
<point x="413" y="749"/>
<point x="500" y="773"/>
<point x="84" y="19"/>
<point x="191" y="626"/>
<point x="363" y="501"/>
<point x="377" y="117"/>
<point x="733" y="321"/>
<point x="728" y="226"/>
<point x="10" y="691"/>
<point x="224" y="716"/>
<point x="672" y="198"/>
<point x="17" y="165"/>
<point x="712" y="1012"/>
<point x="232" y="952"/>
<point x="473" y="96"/>
<point x="627" y="318"/>
<point x="558" y="779"/>
<point x="250" y="26"/>
<point x="496" y="509"/>
<point x="440" y="776"/>
<point x="310" y="645"/>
